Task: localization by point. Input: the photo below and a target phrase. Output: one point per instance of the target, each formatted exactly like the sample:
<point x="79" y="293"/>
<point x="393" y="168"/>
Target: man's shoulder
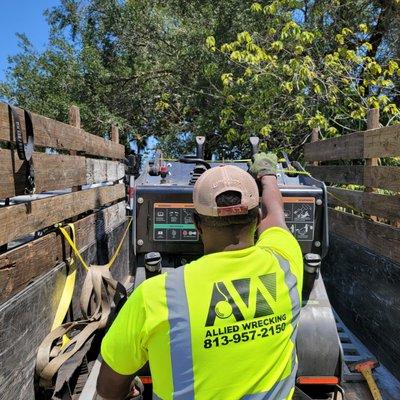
<point x="159" y="282"/>
<point x="274" y="231"/>
<point x="152" y="284"/>
<point x="281" y="241"/>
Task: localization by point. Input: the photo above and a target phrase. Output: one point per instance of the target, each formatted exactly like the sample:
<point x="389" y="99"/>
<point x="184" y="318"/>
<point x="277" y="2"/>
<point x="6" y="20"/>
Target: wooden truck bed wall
<point x="362" y="269"/>
<point x="69" y="163"/>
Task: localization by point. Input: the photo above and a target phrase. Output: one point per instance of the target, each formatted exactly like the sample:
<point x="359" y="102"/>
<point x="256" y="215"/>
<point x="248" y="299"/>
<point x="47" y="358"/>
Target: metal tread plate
<point x="353" y="351"/>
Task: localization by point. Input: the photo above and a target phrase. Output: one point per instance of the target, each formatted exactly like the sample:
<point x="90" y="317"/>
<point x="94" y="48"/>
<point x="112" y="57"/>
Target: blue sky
<point x="24" y="16"/>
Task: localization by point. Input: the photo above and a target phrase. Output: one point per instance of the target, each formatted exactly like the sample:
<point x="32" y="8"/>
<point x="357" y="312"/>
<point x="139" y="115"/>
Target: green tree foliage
<point x="225" y="69"/>
<point x="286" y="78"/>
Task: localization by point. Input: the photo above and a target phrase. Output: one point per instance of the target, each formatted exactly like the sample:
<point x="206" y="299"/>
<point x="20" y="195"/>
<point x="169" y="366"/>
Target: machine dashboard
<point x="174" y="221"/>
<point x="164" y="212"/>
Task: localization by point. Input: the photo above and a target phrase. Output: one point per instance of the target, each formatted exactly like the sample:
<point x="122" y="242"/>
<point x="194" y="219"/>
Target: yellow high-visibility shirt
<point x="222" y="327"/>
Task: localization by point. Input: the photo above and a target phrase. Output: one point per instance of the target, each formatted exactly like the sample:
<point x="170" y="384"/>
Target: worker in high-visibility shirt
<point x="223" y="326"/>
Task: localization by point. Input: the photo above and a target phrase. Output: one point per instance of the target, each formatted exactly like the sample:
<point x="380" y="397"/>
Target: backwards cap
<point x="221" y="179"/>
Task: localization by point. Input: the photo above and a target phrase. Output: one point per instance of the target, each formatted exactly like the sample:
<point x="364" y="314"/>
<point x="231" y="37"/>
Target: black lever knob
<point x="152" y="261"/>
<point x="312" y="262"/>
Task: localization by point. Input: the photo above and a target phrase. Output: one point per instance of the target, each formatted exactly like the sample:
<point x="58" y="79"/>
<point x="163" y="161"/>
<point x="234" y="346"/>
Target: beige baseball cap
<point x="217" y="180"/>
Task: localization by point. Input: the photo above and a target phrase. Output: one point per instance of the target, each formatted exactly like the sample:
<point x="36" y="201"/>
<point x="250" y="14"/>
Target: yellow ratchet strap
<point x="72" y="243"/>
<point x="114" y="257"/>
<point x="68" y="290"/>
<point x="78" y="254"/>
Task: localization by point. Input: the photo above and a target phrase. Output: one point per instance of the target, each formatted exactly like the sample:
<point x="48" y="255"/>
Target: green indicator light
<point x="174" y="226"/>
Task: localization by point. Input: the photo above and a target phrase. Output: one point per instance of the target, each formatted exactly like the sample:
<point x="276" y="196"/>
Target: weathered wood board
<point x="346" y="147"/>
<point x="382" y="142"/>
<point x="373" y="176"/>
<point x="26" y="318"/>
<point x="103" y="171"/>
<point x="363" y="288"/>
<point x="57" y="135"/>
<point x="369" y="203"/>
<point x="374" y="143"/>
<point x="20" y="266"/>
<point x="22" y="219"/>
<point x="380" y="238"/>
<point x="53" y="172"/>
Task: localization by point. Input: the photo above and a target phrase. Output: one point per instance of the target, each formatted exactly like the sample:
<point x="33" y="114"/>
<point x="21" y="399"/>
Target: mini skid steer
<point x="164" y="237"/>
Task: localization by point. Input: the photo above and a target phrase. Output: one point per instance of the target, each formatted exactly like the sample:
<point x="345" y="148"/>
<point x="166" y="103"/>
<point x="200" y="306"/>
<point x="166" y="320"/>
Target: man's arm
<point x="271" y="204"/>
<point x="123" y="349"/>
<point x="111" y="385"/>
<point x="263" y="169"/>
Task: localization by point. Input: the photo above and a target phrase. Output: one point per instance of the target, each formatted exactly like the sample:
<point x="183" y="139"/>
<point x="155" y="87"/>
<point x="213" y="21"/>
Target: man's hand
<point x="264" y="164"/>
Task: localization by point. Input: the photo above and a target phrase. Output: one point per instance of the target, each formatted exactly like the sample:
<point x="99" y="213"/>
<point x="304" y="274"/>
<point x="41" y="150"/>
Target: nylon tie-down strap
<point x="99" y="298"/>
<point x="25" y="150"/>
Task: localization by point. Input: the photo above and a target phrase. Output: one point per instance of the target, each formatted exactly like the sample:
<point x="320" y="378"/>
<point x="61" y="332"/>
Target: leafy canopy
<point x="227" y="69"/>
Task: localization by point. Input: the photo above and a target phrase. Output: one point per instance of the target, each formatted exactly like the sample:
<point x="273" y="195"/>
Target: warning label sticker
<point x="299" y="216"/>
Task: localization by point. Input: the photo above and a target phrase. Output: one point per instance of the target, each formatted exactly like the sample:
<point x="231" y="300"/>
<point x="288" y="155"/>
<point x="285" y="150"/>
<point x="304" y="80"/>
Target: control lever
<point x="154" y="165"/>
<point x="312" y="264"/>
<point x="254" y="140"/>
<point x="152" y="261"/>
<point x="287" y="160"/>
<point x="200" y="140"/>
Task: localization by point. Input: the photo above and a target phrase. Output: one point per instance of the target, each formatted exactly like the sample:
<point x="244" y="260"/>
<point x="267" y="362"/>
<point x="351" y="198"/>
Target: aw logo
<point x="241" y="299"/>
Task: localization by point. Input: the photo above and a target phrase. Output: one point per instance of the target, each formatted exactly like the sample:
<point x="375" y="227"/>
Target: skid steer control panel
<point x="174" y="222"/>
<point x="164" y="215"/>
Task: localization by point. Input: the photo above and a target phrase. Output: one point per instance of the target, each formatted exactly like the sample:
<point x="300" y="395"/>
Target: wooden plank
<point x="379" y="177"/>
<point x="373" y="143"/>
<point x="380" y="238"/>
<point x="346" y="147"/>
<point x="372" y="124"/>
<point x="382" y="177"/>
<point x="382" y="142"/>
<point x="53" y="172"/>
<point x="22" y="219"/>
<point x="74" y="119"/>
<point x="315" y="138"/>
<point x="115" y="133"/>
<point x="103" y="171"/>
<point x="338" y="173"/>
<point x="26" y="318"/>
<point x="57" y="135"/>
<point x="19" y="266"/>
<point x="384" y="206"/>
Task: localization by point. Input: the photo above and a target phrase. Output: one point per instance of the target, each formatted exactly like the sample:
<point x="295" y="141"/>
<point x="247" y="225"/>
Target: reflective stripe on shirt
<point x="180" y="339"/>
